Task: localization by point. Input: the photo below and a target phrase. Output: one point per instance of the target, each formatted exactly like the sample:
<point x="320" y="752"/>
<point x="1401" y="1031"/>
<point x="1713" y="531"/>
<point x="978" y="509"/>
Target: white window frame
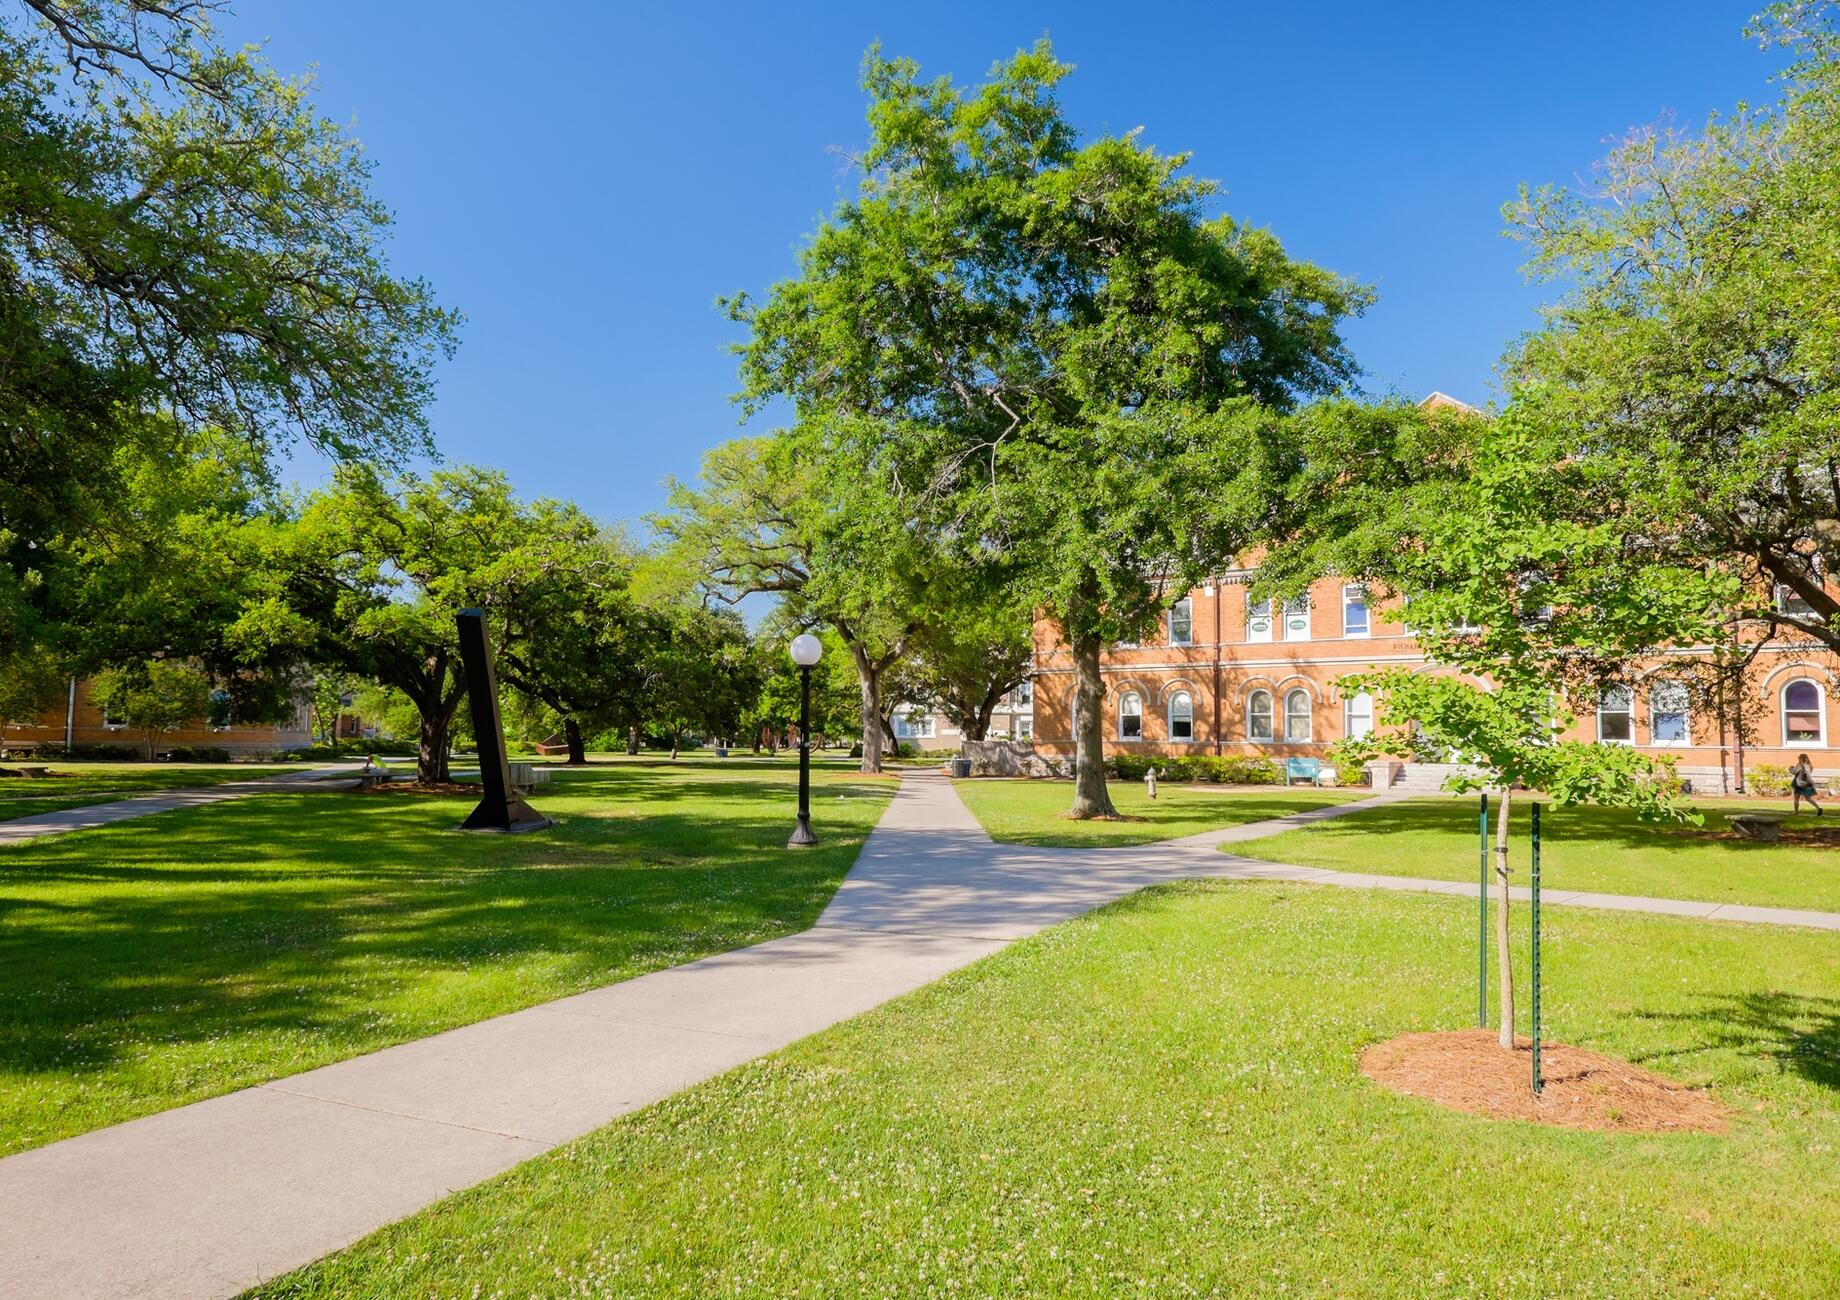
<point x="1260" y="612"/>
<point x="1358" y="705"/>
<point x="1189" y="701"/>
<point x="1023" y="697"/>
<point x="1187" y="608"/>
<point x="906" y="725"/>
<point x="1309" y="717"/>
<point x="1787" y="602"/>
<point x="1294" y="607"/>
<point x="1656" y="712"/>
<point x="1134" y="698"/>
<point x="1820" y="713"/>
<point x="1025" y="728"/>
<point x="1354" y="594"/>
<point x="1628" y="711"/>
<point x="1271" y="716"/>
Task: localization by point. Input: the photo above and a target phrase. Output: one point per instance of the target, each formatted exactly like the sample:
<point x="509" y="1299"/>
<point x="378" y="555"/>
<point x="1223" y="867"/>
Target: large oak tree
<point x="1049" y="350"/>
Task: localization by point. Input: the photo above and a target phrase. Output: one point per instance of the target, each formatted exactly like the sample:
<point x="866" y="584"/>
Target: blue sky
<point x="583" y="179"/>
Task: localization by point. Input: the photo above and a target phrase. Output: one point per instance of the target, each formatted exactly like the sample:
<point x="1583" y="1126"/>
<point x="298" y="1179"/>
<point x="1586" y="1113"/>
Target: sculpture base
<point x="514" y="818"/>
<point x="802" y="838"/>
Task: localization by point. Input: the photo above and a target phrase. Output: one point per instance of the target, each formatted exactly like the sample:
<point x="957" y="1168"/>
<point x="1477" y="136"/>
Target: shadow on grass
<point x="305" y="913"/>
<point x="1800" y="1032"/>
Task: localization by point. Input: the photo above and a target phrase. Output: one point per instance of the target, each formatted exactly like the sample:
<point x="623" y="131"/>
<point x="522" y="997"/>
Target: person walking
<point x="1801" y="785"/>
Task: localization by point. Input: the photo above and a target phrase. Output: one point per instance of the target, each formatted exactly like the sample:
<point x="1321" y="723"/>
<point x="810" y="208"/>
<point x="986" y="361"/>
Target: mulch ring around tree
<point x="432" y="787"/>
<point x="1467" y="1069"/>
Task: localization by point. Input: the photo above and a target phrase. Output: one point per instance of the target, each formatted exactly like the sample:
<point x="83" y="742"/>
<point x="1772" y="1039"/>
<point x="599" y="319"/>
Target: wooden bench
<point x="1764" y="827"/>
<point x="1308" y="769"/>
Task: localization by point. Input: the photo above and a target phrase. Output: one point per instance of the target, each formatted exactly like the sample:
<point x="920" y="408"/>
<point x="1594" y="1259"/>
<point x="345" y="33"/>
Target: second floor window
<point x="1182" y="622"/>
<point x="1297" y="618"/>
<point x="1354" y="611"/>
<point x="1258" y="620"/>
<point x="1025" y="695"/>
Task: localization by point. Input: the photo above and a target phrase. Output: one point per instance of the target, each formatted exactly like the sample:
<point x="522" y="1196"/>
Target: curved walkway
<point x="211" y="1198"/>
<point x="89" y="816"/>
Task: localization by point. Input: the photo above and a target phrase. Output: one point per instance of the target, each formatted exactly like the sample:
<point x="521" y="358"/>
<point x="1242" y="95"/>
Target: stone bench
<point x="526" y="777"/>
<point x="1763" y="827"/>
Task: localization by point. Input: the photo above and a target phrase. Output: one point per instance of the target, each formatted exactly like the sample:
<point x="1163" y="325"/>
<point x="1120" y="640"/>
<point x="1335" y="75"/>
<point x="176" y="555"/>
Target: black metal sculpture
<point x="502" y="808"/>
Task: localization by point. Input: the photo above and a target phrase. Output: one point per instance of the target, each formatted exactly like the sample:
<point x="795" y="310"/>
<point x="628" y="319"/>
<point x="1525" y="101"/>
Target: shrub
<point x="1767" y="779"/>
<point x="197" y="754"/>
<point x="1220" y="769"/>
<point x="95" y="753"/>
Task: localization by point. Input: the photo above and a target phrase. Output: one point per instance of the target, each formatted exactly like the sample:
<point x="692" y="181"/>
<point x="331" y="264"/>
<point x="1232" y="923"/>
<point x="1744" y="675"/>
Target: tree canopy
<point x="1047" y="350"/>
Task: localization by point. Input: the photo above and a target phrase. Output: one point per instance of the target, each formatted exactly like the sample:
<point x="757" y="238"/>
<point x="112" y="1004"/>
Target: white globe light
<point x="806" y="650"/>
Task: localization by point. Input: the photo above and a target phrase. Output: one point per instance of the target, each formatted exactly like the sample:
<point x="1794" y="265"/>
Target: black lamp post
<point x="806" y="651"/>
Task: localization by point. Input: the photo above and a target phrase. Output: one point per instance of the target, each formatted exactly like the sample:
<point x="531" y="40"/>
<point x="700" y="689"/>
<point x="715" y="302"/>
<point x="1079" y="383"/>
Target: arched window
<point x="1358" y="716"/>
<point x="1616" y="724"/>
<point x="1258" y="716"/>
<point x="1297" y="715"/>
<point x="1130" y="716"/>
<point x="1802" y="712"/>
<point x="1181" y="716"/>
<point x="1669" y="722"/>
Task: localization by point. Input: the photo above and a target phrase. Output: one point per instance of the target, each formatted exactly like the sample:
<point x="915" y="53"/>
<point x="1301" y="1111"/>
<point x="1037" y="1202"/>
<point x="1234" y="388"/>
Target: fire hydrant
<point x="1150" y="782"/>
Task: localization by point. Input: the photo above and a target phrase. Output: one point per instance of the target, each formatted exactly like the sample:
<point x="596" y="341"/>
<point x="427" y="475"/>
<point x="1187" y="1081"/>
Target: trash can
<point x="961" y="767"/>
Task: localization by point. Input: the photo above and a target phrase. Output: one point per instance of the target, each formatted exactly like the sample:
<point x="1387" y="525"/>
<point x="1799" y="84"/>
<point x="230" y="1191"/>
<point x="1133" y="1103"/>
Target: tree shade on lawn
<point x="80" y="784"/>
<point x="161" y="962"/>
<point x="1035" y="812"/>
<point x="1164" y="1099"/>
<point x="1603" y="850"/>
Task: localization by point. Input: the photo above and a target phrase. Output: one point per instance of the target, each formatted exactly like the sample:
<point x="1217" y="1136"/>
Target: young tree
<point x="153" y="698"/>
<point x="329" y="699"/>
<point x="1449" y="518"/>
<point x="1510" y="733"/>
<point x="1048" y="351"/>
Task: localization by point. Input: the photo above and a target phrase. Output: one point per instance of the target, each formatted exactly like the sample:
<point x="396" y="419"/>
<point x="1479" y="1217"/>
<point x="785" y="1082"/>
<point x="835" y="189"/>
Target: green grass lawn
<point x="1598" y="849"/>
<point x="199" y="951"/>
<point x="78" y="784"/>
<point x="1162" y="1099"/>
<point x="1034" y="812"/>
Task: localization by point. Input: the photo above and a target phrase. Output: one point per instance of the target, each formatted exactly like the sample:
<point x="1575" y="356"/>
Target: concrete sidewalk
<point x="90" y="816"/>
<point x="211" y="1198"/>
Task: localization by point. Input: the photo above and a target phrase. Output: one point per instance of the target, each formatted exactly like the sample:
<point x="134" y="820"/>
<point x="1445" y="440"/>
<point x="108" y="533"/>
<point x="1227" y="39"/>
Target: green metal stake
<point x="1535" y="891"/>
<point x="1482" y="917"/>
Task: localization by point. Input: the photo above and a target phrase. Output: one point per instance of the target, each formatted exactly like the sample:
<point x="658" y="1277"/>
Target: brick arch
<point x="1801" y="667"/>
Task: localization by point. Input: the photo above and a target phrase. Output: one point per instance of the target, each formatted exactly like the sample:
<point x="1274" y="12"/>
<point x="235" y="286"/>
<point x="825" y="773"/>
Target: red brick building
<point x="1227" y="675"/>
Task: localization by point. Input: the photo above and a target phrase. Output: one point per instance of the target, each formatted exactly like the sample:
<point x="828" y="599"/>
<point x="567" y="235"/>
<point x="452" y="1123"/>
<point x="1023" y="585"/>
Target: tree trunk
<point x="676" y="736"/>
<point x="868" y="681"/>
<point x="151" y="735"/>
<point x="578" y="750"/>
<point x="431" y="753"/>
<point x="1505" y="984"/>
<point x="1090" y="797"/>
<point x="632" y="738"/>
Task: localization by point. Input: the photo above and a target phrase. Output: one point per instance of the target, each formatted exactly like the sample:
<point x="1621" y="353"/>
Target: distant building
<point x="1014" y="719"/>
<point x="82" y="722"/>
